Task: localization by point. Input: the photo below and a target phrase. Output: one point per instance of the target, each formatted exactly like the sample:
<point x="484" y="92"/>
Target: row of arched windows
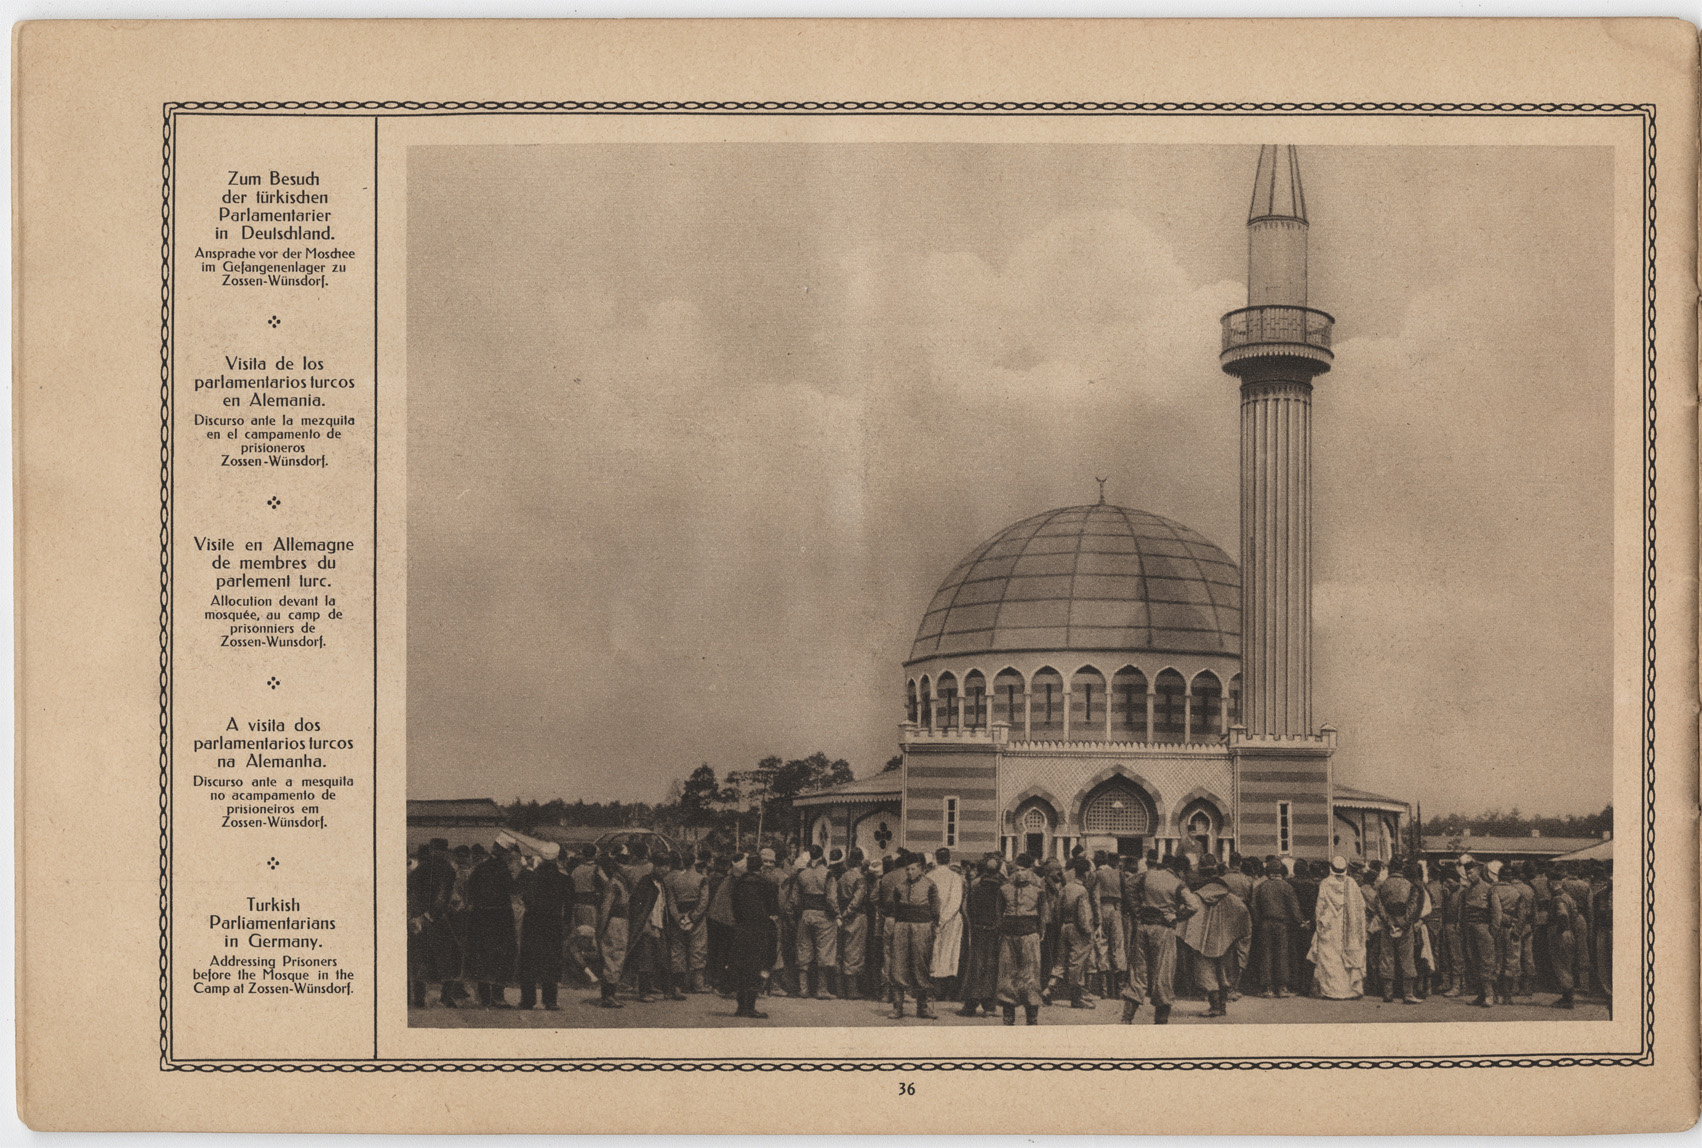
<point x="1127" y="708"/>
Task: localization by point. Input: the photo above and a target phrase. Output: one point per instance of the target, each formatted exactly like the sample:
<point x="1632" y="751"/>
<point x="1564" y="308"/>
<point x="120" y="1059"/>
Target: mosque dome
<point x="1097" y="577"/>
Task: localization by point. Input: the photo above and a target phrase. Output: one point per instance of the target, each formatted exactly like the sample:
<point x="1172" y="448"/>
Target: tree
<point x="893" y="763"/>
<point x="699" y="796"/>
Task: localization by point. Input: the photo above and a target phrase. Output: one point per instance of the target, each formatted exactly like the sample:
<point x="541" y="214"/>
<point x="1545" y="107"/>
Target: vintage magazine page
<point x="1038" y="577"/>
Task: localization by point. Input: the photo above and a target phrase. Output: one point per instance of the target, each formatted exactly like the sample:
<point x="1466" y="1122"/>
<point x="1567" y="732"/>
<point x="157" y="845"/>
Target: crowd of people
<point x="996" y="935"/>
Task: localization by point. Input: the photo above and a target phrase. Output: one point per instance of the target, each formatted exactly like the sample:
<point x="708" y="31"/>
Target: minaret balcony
<point x="1275" y="331"/>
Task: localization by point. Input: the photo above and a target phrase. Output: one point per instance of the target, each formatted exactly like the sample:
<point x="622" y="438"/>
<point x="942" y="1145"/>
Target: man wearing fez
<point x="817" y="897"/>
<point x="1276" y="912"/>
<point x="1399" y="902"/>
<point x="1509" y="934"/>
<point x="1077" y="939"/>
<point x="1480" y="920"/>
<point x="885" y="898"/>
<point x="1218" y="935"/>
<point x="612" y="922"/>
<point x="1157" y="901"/>
<point x="490" y="925"/>
<point x="1563" y="917"/>
<point x="686" y="889"/>
<point x="915" y="913"/>
<point x="854" y="887"/>
<point x="586" y="876"/>
<point x="646" y="916"/>
<point x="1021" y="907"/>
<point x="755" y="903"/>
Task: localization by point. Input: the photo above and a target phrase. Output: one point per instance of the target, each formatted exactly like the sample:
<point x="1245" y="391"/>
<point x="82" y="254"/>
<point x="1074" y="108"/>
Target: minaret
<point x="1276" y="346"/>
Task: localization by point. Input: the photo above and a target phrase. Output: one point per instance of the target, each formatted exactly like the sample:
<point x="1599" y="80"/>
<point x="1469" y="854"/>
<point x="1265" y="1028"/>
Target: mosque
<point x="1102" y="676"/>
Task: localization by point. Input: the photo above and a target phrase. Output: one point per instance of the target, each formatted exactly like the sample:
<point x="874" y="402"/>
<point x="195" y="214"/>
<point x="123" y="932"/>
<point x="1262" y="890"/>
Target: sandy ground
<point x="579" y="1010"/>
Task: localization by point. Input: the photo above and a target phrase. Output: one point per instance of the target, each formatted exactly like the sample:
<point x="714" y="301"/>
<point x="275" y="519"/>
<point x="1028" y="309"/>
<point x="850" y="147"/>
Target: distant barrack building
<point x="1102" y="676"/>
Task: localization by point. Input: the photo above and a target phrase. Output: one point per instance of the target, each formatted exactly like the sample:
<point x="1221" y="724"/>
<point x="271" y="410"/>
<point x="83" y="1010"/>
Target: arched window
<point x="946" y="709"/>
<point x="1169" y="707"/>
<point x="1118" y="809"/>
<point x="1128" y="705"/>
<point x="1207" y="710"/>
<point x="1202" y="825"/>
<point x="927" y="700"/>
<point x="1046" y="704"/>
<point x="1087" y="705"/>
<point x="975" y="700"/>
<point x="1034" y="830"/>
<point x="1007" y="700"/>
<point x="910" y="701"/>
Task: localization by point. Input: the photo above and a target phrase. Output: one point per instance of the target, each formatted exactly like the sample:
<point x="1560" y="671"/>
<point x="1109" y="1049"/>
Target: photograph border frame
<point x="379" y="110"/>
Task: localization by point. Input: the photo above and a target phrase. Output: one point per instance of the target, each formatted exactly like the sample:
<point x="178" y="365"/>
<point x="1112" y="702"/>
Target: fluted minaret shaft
<point x="1276" y="345"/>
<point x="1276" y="556"/>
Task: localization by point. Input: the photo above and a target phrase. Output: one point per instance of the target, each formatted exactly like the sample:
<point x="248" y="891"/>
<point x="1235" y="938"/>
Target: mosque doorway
<point x="1117" y="816"/>
<point x="1035" y="831"/>
<point x="1131" y="846"/>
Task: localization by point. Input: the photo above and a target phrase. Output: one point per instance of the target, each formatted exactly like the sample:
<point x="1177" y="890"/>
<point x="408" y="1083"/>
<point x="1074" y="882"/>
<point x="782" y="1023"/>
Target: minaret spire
<point x="1276" y="346"/>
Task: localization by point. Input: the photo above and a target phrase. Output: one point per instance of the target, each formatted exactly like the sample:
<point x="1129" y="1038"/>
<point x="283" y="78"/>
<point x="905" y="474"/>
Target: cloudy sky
<point x="695" y="431"/>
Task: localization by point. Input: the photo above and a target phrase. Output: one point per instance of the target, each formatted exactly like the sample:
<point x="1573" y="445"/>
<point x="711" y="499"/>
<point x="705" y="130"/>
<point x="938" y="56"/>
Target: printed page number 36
<point x="906" y="1088"/>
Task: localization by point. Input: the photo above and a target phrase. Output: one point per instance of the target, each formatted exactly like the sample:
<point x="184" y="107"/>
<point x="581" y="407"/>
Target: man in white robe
<point x="948" y="938"/>
<point x="1338" y="944"/>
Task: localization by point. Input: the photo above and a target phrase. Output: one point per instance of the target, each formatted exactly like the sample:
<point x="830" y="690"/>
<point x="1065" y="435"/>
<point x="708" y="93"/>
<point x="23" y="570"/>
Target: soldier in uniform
<point x="1399" y="901"/>
<point x="1156" y="901"/>
<point x="1509" y="937"/>
<point x="647" y="958"/>
<point x="1480" y="918"/>
<point x="720" y="924"/>
<point x="1601" y="927"/>
<point x="1453" y="932"/>
<point x="854" y="888"/>
<point x="781" y="878"/>
<point x="817" y="895"/>
<point x="612" y="928"/>
<point x="915" y="912"/>
<point x="1276" y="911"/>
<point x="1583" y="927"/>
<point x="1218" y="936"/>
<point x="1106" y="887"/>
<point x="1522" y="945"/>
<point x="686" y="888"/>
<point x="1076" y="935"/>
<point x="587" y="879"/>
<point x="885" y="898"/>
<point x="1536" y="876"/>
<point x="1051" y="877"/>
<point x="1563" y="916"/>
<point x="1021" y="919"/>
<point x="1437" y="979"/>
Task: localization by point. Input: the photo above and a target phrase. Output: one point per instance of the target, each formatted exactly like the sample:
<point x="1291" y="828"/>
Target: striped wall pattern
<point x="930" y="776"/>
<point x="1304" y="782"/>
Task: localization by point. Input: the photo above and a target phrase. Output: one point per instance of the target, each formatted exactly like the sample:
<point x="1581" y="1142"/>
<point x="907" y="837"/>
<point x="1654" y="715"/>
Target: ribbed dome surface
<point x="1088" y="578"/>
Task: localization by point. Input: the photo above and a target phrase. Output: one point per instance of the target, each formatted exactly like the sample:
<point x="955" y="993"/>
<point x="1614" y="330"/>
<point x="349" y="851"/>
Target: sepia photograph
<point x="888" y="584"/>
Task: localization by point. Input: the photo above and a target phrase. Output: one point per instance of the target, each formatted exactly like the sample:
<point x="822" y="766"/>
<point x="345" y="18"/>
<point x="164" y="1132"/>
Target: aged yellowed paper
<point x="993" y="576"/>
